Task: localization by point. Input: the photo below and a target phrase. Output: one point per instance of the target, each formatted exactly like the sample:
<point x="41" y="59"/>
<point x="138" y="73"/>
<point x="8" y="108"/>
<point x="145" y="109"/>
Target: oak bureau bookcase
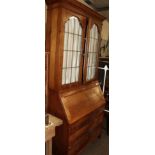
<point x="72" y="41"/>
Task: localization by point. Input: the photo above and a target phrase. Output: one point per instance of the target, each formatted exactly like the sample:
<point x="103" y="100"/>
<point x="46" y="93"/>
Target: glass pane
<point x="90" y="45"/>
<point x="77" y="74"/>
<point x="90" y="59"/>
<point x="80" y="30"/>
<point x="71" y="25"/>
<point x="93" y="32"/>
<point x="78" y="59"/>
<point x="95" y="46"/>
<point x="94" y="59"/>
<point x="69" y="59"/>
<point x="68" y="75"/>
<point x="66" y="41"/>
<point x="70" y="42"/>
<point x="73" y="79"/>
<point x="79" y="43"/>
<point x="96" y="33"/>
<point x="77" y="26"/>
<point x="63" y="76"/>
<point x="65" y="59"/>
<point x="92" y="53"/>
<point x="88" y="73"/>
<point x="74" y="59"/>
<point x="76" y="39"/>
<point x="72" y="49"/>
<point x="93" y="72"/>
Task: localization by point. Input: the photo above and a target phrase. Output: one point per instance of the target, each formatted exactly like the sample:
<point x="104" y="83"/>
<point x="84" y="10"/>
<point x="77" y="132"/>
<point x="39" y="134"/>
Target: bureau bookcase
<point x="74" y="95"/>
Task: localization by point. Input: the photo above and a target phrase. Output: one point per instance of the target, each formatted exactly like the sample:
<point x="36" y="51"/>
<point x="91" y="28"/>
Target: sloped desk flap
<point x="80" y="102"/>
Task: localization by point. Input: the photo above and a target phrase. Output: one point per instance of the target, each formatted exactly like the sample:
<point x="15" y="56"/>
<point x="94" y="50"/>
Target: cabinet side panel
<point x="53" y="43"/>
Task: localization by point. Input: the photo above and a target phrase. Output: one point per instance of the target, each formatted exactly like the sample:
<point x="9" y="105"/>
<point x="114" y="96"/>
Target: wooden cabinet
<point x="72" y="41"/>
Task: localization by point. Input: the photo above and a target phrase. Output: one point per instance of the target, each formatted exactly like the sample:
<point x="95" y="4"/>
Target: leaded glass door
<point x="74" y="32"/>
<point x="91" y="52"/>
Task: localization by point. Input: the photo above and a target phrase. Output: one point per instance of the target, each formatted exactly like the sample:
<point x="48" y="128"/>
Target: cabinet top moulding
<point x="75" y="6"/>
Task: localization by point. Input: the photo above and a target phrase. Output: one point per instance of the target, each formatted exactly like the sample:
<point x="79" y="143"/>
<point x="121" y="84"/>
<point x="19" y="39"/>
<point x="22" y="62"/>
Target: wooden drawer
<point x="97" y="121"/>
<point x="86" y="120"/>
<point x="96" y="114"/>
<point x="95" y="133"/>
<point x="79" y="144"/>
<point x="78" y="125"/>
<point x="74" y="137"/>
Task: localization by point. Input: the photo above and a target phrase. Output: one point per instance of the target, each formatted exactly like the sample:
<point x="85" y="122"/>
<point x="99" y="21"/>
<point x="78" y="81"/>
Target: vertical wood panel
<point x="53" y="43"/>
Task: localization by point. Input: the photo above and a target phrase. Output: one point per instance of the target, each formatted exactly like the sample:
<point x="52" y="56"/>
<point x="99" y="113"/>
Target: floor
<point x="98" y="147"/>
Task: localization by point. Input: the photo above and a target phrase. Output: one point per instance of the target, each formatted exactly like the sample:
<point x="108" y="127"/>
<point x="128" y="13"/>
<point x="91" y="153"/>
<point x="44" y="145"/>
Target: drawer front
<point x="95" y="133"/>
<point x="85" y="130"/>
<point x="86" y="120"/>
<point x="97" y="121"/>
<point x="80" y="124"/>
<point x="79" y="144"/>
<point x="98" y="112"/>
<point x="74" y="137"/>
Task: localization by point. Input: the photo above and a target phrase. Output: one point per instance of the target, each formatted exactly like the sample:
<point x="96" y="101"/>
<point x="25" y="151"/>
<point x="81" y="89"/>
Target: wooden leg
<point x="49" y="147"/>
